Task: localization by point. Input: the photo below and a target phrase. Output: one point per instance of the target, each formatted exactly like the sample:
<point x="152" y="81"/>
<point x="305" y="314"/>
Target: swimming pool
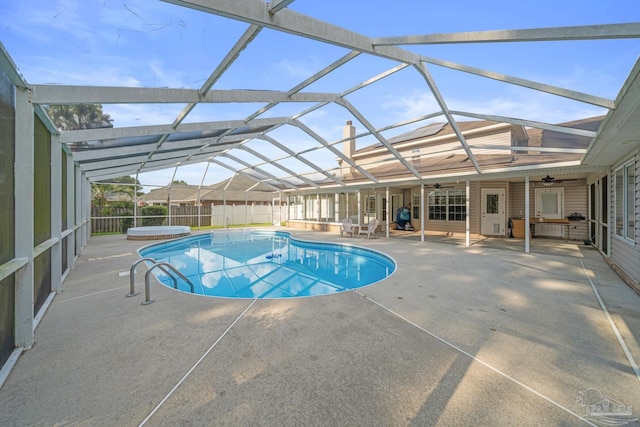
<point x="267" y="264"/>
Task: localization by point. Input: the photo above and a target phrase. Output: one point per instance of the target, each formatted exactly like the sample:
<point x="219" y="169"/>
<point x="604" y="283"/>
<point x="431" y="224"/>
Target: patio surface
<point x="479" y="335"/>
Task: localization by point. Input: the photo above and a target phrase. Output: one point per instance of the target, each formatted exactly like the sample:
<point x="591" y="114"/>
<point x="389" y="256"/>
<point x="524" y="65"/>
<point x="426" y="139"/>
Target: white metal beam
<point x="582" y="32"/>
<point x="346" y="104"/>
<point x="530" y="123"/>
<point x="67" y="95"/>
<point x="288" y="21"/>
<point x="131" y="150"/>
<point x="150" y="166"/>
<point x="226" y="166"/>
<point x="335" y="151"/>
<point x="135" y="160"/>
<point x="278" y="165"/>
<point x="69" y="136"/>
<point x="374" y="79"/>
<point x="301" y="158"/>
<point x="277" y="5"/>
<point x="554" y="90"/>
<point x="440" y="100"/>
<point x="9" y="68"/>
<point x="229" y="58"/>
<point x="341" y="61"/>
<point x="257" y="169"/>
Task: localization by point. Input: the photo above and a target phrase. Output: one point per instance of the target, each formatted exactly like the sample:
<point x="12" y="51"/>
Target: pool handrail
<point x="132" y="276"/>
<point x="147" y="282"/>
<point x="165" y="267"/>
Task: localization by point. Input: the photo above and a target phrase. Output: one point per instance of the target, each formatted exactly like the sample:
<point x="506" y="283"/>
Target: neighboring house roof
<point x="235" y="188"/>
<point x="118" y="197"/>
<point x="179" y="193"/>
<point x="185" y="193"/>
<point x="241" y="183"/>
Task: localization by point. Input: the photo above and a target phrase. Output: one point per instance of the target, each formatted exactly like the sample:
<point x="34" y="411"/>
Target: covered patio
<point x="486" y="336"/>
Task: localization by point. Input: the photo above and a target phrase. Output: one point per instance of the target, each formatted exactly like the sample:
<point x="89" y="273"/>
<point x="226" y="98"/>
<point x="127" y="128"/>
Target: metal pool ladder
<point x="165" y="267"/>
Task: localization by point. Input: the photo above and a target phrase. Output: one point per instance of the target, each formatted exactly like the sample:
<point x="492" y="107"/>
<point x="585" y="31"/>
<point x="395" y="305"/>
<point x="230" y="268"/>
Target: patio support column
<point x="71" y="240"/>
<point x="56" y="214"/>
<point x="359" y="205"/>
<point x="224" y="208"/>
<point x="24" y="218"/>
<point x="135" y="202"/>
<point x="204" y="174"/>
<point x="86" y="208"/>
<point x="422" y="230"/>
<point x="169" y="194"/>
<point x="527" y="228"/>
<point x="467" y="221"/>
<point x="77" y="209"/>
<point x="388" y="204"/>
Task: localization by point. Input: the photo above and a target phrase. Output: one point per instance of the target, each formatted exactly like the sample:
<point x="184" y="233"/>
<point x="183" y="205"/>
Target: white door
<point x="492" y="215"/>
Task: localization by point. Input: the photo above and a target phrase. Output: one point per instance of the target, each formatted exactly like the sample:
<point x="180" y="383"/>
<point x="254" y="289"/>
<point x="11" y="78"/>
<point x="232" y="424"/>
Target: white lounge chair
<point x="347" y="227"/>
<point x="369" y="229"/>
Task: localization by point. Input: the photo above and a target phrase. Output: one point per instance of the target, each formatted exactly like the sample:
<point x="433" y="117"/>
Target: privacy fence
<point x="113" y="220"/>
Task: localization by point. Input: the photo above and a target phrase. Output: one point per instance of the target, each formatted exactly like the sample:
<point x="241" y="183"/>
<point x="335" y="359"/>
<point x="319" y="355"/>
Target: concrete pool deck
<point x="482" y="335"/>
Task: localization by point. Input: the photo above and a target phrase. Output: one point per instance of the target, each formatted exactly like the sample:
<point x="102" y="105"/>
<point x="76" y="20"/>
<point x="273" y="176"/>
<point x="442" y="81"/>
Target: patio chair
<point x="369" y="229"/>
<point x="347" y="227"/>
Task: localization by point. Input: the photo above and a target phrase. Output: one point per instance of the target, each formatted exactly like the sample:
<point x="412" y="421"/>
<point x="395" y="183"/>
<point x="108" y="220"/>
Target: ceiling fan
<point x="438" y="186"/>
<point x="548" y="180"/>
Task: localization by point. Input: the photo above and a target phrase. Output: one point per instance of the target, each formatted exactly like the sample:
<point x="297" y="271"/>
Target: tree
<point x="124" y="185"/>
<point x="79" y="116"/>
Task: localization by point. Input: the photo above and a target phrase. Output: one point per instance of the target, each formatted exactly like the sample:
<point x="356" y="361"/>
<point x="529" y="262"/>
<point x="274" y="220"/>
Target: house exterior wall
<point x="439" y="226"/>
<point x="624" y="253"/>
<point x="575" y="200"/>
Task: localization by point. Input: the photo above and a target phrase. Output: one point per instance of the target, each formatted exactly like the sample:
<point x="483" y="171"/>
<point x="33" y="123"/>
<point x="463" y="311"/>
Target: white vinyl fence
<point x="226" y="216"/>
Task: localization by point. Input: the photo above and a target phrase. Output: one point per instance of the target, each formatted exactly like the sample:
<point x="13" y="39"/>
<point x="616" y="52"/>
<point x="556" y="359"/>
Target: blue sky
<point x="155" y="44"/>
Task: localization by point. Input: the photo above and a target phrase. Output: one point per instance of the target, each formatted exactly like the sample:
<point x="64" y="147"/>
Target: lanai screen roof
<point x="234" y="111"/>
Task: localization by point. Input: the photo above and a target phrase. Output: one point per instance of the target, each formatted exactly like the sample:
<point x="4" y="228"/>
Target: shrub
<point x="153" y="215"/>
<point x="125" y="224"/>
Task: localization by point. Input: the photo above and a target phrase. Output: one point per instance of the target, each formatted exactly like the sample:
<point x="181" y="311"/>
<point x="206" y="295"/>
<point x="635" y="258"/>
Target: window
<point x="415" y="206"/>
<point x="450" y="205"/>
<point x="311" y="207"/>
<point x="327" y="207"/>
<point x="384" y="209"/>
<point x="347" y="205"/>
<point x="457" y="201"/>
<point x="625" y="201"/>
<point x="549" y="202"/>
<point x="371" y="204"/>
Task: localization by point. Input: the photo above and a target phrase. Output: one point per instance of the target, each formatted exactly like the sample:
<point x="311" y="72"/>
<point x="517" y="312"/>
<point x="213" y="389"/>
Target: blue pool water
<point x="267" y="264"/>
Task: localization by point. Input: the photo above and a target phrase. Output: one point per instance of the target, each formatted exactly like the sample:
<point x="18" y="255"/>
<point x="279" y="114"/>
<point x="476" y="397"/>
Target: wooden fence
<point x="120" y="219"/>
<point x="114" y="220"/>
